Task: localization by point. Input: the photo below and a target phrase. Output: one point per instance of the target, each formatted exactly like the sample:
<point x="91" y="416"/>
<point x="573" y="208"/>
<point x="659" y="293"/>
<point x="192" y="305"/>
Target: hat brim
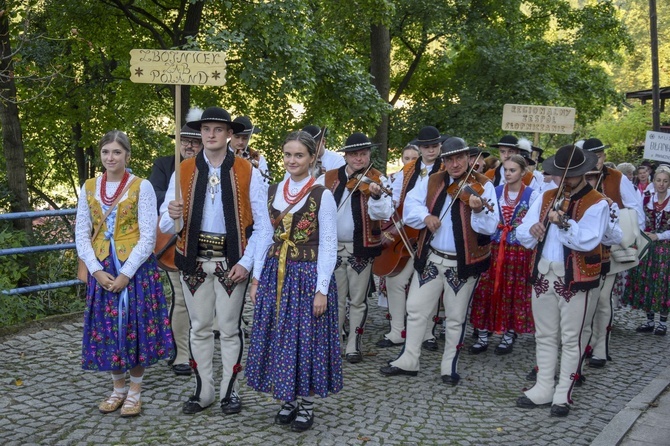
<point x="251" y="131"/>
<point x="236" y="126"/>
<point x="504" y="144"/>
<point x="590" y="161"/>
<point x="196" y="135"/>
<point x="474" y="151"/>
<point x="357" y="147"/>
<point x="454" y="152"/>
<point x="429" y="142"/>
<point x="598" y="149"/>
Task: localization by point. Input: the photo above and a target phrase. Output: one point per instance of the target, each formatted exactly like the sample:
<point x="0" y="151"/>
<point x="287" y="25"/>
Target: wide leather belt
<point x="444" y="255"/>
<point x="211" y="244"/>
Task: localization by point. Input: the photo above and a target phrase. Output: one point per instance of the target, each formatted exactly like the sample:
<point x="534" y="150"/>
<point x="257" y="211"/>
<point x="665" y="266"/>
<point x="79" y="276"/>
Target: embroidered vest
<point x="127" y="227"/>
<point x="235" y="200"/>
<point x="582" y="269"/>
<point x="302" y="227"/>
<point x="611" y="185"/>
<point x="473" y="250"/>
<point x="517" y="216"/>
<point x="367" y="232"/>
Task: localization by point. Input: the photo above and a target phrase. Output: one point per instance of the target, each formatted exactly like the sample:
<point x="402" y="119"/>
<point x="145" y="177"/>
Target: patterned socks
<point x="120" y="389"/>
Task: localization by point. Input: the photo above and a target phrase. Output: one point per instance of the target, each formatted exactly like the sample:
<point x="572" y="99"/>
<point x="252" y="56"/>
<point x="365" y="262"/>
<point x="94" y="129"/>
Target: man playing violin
<point x="456" y="211"/>
<point x="361" y="206"/>
<point x="413" y="173"/>
<point x="566" y="226"/>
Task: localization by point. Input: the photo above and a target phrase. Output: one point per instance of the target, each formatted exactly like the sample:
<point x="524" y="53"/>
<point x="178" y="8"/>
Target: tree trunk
<point x="12" y="141"/>
<point x="380" y="69"/>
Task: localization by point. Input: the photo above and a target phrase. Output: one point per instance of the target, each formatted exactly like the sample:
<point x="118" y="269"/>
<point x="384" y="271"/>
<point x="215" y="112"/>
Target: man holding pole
<point x="223" y="214"/>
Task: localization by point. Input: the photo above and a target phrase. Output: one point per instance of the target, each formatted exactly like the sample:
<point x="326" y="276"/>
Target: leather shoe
<point x="452" y="379"/>
<point x="390" y="370"/>
<point x="645" y="328"/>
<point x="191" y="406"/>
<point x="385" y="343"/>
<point x="301" y="426"/>
<point x="661" y="330"/>
<point x="580" y="381"/>
<point x="354" y="358"/>
<point x="182" y="369"/>
<point x="478" y="348"/>
<point x="231" y="405"/>
<point x="526" y="403"/>
<point x="430" y="344"/>
<point x="597" y="363"/>
<point x="560" y="410"/>
<point x="289" y="417"/>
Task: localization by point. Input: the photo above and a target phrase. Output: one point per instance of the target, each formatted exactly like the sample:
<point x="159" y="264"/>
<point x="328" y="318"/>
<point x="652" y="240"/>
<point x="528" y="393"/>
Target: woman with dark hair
<point x="126" y="324"/>
<point x="502" y="300"/>
<point x="295" y="341"/>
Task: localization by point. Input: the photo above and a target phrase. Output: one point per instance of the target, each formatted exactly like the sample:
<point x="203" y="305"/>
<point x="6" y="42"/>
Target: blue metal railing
<point x="42" y="248"/>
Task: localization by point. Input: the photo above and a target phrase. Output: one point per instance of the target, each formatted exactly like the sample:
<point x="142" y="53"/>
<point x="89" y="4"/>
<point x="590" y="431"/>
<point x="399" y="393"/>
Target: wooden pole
<point x="177" y="147"/>
<point x="655" y="91"/>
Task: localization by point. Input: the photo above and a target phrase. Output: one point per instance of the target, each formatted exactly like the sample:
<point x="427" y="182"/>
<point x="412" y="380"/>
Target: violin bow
<point x="397" y="222"/>
<point x="462" y="186"/>
<point x="355" y="188"/>
<point x="561" y="186"/>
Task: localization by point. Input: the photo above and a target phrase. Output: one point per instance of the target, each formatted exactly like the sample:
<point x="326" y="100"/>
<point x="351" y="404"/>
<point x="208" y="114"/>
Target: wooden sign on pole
<point x="173" y="67"/>
<point x="538" y="119"/>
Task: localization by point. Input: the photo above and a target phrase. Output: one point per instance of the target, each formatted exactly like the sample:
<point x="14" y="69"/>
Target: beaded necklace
<point x="107" y="201"/>
<point x="294" y="198"/>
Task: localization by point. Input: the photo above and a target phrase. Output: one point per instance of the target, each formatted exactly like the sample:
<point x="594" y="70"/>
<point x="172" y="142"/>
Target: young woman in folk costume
<point x="648" y="286"/>
<point x="295" y="342"/>
<point x="126" y="323"/>
<point x="502" y="300"/>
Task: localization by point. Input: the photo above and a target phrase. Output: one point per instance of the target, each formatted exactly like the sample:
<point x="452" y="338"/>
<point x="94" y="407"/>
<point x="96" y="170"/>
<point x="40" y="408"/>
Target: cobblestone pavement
<point x="46" y="399"/>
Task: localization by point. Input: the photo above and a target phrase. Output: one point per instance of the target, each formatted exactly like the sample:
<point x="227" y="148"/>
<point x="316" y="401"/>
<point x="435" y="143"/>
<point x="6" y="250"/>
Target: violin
<point x="464" y="189"/>
<point x="563" y="204"/>
<point x="362" y="180"/>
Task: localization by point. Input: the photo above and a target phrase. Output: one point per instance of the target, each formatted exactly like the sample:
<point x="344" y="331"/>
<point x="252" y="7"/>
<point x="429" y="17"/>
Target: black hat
<point x="357" y="141"/>
<point x="216" y="114"/>
<point x="594" y="145"/>
<point x="428" y="136"/>
<point x="249" y="129"/>
<point x="582" y="162"/>
<point x="454" y="145"/>
<point x="188" y="132"/>
<point x="507" y="141"/>
<point x="315" y="131"/>
<point x="474" y="151"/>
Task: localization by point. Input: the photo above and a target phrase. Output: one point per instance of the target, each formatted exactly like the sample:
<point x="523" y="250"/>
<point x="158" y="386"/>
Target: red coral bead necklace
<point x="107" y="201"/>
<point x="294" y="198"/>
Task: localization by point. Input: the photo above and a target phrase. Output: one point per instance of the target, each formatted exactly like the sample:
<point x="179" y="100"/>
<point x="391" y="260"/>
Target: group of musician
<point x="518" y="250"/>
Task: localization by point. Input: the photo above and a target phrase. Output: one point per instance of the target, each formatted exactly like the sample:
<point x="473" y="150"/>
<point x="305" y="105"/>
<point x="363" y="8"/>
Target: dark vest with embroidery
<point x="582" y="269"/>
<point x="367" y="232"/>
<point x="302" y="225"/>
<point x="235" y="200"/>
<point x="473" y="250"/>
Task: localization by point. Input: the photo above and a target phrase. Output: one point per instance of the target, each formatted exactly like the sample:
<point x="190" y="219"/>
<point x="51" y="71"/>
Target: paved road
<point x="46" y="399"/>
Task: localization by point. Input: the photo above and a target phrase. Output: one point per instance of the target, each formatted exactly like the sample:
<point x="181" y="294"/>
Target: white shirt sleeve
<point x="415" y="210"/>
<point x="486" y="222"/>
<point x="327" y="242"/>
<point x="630" y="198"/>
<point x="531" y="217"/>
<point x="82" y="229"/>
<point x="166" y="224"/>
<point x="261" y="238"/>
<point x="398" y="181"/>
<point x="586" y="234"/>
<point x="613" y="234"/>
<point x="382" y="208"/>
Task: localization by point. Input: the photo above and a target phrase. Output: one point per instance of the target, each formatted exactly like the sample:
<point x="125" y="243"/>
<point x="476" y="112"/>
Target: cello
<point x="396" y="238"/>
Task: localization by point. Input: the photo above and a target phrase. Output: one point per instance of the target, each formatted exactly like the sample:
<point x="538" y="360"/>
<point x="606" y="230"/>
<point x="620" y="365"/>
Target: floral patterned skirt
<point x="510" y="308"/>
<point x="147" y="333"/>
<point x="648" y="283"/>
<point x="292" y="352"/>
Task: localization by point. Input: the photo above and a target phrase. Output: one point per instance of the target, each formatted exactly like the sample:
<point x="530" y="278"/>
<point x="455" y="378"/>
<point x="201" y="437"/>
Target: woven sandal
<point x="112" y="403"/>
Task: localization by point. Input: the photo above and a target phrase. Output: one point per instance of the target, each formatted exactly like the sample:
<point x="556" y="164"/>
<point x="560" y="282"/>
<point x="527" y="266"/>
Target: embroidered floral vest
<point x="582" y="269"/>
<point x="300" y="228"/>
<point x="517" y="216"/>
<point x="127" y="228"/>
